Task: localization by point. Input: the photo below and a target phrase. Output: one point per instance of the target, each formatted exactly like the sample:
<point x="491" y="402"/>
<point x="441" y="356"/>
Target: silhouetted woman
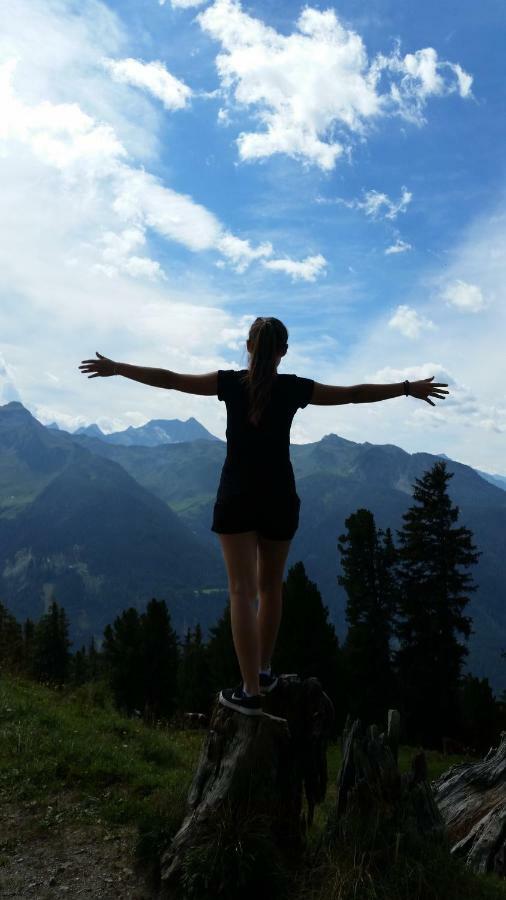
<point x="256" y="512"/>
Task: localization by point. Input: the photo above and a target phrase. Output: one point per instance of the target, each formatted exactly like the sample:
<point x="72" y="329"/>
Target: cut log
<point x="472" y="801"/>
<point x="371" y="792"/>
<point x="258" y="766"/>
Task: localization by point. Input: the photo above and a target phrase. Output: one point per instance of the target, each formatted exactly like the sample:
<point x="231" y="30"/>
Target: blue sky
<point x="169" y="171"/>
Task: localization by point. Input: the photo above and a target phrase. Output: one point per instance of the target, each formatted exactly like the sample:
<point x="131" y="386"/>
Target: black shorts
<point x="272" y="517"/>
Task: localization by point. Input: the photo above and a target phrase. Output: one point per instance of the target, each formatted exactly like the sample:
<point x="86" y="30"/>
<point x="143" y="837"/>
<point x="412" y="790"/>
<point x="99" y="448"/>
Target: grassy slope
<point x="116" y="772"/>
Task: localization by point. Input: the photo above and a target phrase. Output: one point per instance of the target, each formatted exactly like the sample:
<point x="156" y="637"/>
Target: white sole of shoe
<point x="245" y="712"/>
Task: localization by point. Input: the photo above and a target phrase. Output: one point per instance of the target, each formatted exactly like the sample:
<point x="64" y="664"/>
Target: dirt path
<point x="44" y="856"/>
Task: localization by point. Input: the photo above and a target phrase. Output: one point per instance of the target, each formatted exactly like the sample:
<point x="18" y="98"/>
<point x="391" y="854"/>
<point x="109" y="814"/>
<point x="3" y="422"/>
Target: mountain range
<point x="102" y="524"/>
<point x="153" y="433"/>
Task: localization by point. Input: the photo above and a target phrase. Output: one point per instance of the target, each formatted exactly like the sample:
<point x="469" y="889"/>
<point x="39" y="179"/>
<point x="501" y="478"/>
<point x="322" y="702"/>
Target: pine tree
<point x="479" y="714"/>
<point x="224" y="668"/>
<point x="123" y="660"/>
<point x="11" y="642"/>
<point x="94" y="661"/>
<point x="159" y="661"/>
<point x="79" y="667"/>
<point x="51" y="657"/>
<point x="367" y="562"/>
<point x="194" y="683"/>
<point x="28" y="643"/>
<point x="434" y="591"/>
<point x="307" y="643"/>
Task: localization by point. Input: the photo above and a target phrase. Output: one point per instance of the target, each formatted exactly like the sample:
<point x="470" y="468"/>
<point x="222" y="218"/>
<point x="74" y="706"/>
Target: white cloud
<point x="182" y="4"/>
<point x="464" y="296"/>
<point x="461" y="407"/>
<point x="398" y="247"/>
<point x="306" y="270"/>
<point x="59" y="135"/>
<point x="421" y="74"/>
<point x="240" y="252"/>
<point x="117" y="256"/>
<point x="314" y="90"/>
<point x="153" y="77"/>
<point x="410" y="323"/>
<point x="66" y="138"/>
<point x="8" y="389"/>
<point x="376" y="204"/>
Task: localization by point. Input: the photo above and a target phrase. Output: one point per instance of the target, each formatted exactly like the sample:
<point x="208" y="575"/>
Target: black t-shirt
<point x="258" y="456"/>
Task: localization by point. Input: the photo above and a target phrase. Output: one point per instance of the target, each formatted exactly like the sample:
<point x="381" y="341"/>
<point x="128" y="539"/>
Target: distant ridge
<point x="498" y="480"/>
<point x="153" y="433"/>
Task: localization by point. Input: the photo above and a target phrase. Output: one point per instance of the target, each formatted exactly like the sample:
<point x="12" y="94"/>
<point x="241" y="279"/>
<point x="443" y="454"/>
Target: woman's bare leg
<point x="271" y="565"/>
<point x="240" y="554"/>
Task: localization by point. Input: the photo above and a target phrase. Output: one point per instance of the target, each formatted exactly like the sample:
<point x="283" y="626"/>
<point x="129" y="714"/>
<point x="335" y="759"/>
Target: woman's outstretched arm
<point x="163" y="378"/>
<point x="329" y="394"/>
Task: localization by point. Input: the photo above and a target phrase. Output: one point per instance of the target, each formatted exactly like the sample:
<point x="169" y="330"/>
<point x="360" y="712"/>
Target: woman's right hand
<point x="102" y="366"/>
<point x="423" y="389"/>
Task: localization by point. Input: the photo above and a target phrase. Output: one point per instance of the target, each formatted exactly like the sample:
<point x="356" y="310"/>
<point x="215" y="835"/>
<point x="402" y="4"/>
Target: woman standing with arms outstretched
<point x="256" y="512"/>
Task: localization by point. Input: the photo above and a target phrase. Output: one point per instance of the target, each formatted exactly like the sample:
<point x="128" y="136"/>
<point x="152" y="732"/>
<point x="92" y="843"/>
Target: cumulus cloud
<point x="117" y="256"/>
<point x="314" y="90"/>
<point x="306" y="270"/>
<point x="66" y="138"/>
<point x="410" y="323"/>
<point x="464" y="296"/>
<point x="152" y="77"/>
<point x="61" y="135"/>
<point x="398" y="247"/>
<point x="240" y="252"/>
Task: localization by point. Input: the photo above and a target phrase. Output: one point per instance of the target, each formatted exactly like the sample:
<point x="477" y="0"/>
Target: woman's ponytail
<point x="269" y="338"/>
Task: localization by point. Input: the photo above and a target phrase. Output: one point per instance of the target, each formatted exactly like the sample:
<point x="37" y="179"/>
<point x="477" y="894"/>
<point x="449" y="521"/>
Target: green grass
<point x="116" y="768"/>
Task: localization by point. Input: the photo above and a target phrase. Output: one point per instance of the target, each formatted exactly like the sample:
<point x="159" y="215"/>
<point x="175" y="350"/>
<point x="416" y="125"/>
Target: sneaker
<point x="235" y="698"/>
<point x="267" y="682"/>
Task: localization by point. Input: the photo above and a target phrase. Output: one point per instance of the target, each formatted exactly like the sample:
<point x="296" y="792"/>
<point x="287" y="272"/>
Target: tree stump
<point x="372" y="795"/>
<point x="256" y="769"/>
<point x="472" y="800"/>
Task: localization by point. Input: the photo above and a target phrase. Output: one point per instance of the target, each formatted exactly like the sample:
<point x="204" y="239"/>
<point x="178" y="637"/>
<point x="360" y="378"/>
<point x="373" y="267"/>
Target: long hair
<point x="269" y="338"/>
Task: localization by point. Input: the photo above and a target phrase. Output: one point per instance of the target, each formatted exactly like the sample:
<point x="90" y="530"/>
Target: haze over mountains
<point x="100" y="524"/>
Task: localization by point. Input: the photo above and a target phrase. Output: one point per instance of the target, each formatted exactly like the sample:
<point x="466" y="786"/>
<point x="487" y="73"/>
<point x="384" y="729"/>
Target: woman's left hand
<point x="102" y="366"/>
<point x="427" y="387"/>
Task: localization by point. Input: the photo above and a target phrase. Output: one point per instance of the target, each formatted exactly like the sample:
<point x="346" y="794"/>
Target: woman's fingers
<point x="427" y="387"/>
<point x="100" y="367"/>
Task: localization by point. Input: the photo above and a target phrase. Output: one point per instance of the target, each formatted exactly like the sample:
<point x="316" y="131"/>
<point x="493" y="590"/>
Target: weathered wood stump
<point x="371" y="792"/>
<point x="258" y="766"/>
<point x="472" y="800"/>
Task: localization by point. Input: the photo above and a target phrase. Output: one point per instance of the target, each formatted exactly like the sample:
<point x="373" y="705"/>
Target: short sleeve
<point x="226" y="379"/>
<point x="303" y="389"/>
